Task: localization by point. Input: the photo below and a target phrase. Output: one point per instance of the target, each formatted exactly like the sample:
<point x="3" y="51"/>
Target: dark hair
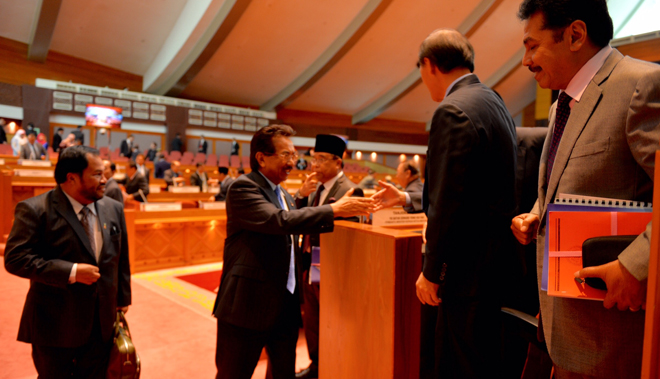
<point x="79" y="127"/>
<point x="559" y="14"/>
<point x="198" y="164"/>
<point x="411" y="166"/>
<point x="223" y="170"/>
<point x="60" y="130"/>
<point x="447" y="49"/>
<point x="73" y="160"/>
<point x="31" y="133"/>
<point x="132" y="164"/>
<point x="262" y="141"/>
<point x="113" y="167"/>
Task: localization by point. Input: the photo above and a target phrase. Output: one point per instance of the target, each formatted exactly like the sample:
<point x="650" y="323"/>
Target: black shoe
<point x="308" y="373"/>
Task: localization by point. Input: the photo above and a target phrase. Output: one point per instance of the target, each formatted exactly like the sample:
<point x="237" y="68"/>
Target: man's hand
<point x="123" y="309"/>
<point x="524" y="227"/>
<point x="427" y="292"/>
<point x="309" y="185"/>
<point x="388" y="197"/>
<point x="349" y="206"/>
<point x="623" y="289"/>
<point x="87" y="274"/>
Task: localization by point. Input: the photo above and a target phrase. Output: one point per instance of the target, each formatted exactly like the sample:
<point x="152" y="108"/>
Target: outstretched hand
<point x="388" y="197"/>
<point x="349" y="206"/>
<point x="623" y="289"/>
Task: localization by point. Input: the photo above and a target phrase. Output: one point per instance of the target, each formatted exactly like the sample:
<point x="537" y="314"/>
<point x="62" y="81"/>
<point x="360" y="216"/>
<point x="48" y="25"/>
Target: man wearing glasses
<point x="324" y="185"/>
<point x="258" y="302"/>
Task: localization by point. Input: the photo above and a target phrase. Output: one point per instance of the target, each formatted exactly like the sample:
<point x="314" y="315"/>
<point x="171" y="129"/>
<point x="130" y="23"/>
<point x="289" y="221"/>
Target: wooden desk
<point x="369" y="312"/>
<point x="172" y="239"/>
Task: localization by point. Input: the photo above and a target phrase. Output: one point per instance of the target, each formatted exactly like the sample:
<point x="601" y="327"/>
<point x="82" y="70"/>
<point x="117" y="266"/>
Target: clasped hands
<point x="623" y="289"/>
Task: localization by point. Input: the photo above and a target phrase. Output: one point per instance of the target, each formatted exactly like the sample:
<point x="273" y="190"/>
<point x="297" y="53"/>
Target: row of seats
<point x="187" y="158"/>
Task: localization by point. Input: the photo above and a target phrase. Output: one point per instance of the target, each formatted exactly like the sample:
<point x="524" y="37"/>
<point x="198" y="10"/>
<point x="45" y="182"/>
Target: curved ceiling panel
<point x="16" y="19"/>
<point x="384" y="55"/>
<point x="122" y="34"/>
<point x="270" y="46"/>
<point x="415" y="106"/>
<point x="518" y="90"/>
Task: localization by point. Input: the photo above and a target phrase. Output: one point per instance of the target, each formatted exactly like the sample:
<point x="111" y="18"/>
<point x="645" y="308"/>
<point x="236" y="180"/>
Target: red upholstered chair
<point x="175" y="156"/>
<point x="187" y="158"/>
<point x="235" y="161"/>
<point x="212" y="160"/>
<point x="224" y="161"/>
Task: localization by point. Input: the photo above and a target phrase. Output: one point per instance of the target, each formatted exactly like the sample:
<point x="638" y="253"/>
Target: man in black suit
<point x="176" y="144"/>
<point x="173" y="175"/>
<point x="471" y="178"/>
<point x="202" y="146"/>
<point x="112" y="189"/>
<point x="135" y="183"/>
<point x="3" y="133"/>
<point x="71" y="243"/>
<point x="199" y="178"/>
<point x="258" y="301"/>
<point x="161" y="166"/>
<point x="225" y="181"/>
<point x="324" y="185"/>
<point x="234" y="147"/>
<point x="57" y="139"/>
<point x="151" y="153"/>
<point x="126" y="147"/>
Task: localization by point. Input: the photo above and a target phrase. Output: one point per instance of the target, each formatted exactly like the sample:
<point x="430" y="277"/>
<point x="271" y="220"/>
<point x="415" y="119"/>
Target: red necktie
<point x="561" y="117"/>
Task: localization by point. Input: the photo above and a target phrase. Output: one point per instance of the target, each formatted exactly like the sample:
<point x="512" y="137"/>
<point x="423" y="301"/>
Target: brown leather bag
<point x="124" y="360"/>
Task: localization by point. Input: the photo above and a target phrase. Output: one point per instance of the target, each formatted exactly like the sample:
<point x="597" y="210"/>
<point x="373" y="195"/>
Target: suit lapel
<point x="265" y="186"/>
<point x="333" y="190"/>
<point x="63" y="207"/>
<point x="101" y="210"/>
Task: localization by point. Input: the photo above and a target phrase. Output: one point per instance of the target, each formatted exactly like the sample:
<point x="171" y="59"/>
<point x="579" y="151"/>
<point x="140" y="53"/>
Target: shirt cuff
<point x="408" y="201"/>
<point x="72" y="275"/>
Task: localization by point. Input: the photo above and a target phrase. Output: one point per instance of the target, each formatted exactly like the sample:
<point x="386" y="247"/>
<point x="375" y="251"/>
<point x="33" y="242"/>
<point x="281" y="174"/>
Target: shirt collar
<point x="454" y="83"/>
<point x="77" y="207"/>
<point x="581" y="80"/>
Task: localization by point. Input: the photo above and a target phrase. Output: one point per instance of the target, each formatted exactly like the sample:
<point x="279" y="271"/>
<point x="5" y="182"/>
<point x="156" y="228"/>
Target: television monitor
<point x="103" y="116"/>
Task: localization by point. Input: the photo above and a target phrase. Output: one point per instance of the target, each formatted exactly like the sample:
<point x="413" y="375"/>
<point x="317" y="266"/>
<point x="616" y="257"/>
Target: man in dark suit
<point x="151" y="152"/>
<point x="71" y="243"/>
<point x="258" y="301"/>
<point x="471" y="173"/>
<point x="32" y="150"/>
<point x="602" y="142"/>
<point x="173" y="175"/>
<point x="161" y="166"/>
<point x="199" y="178"/>
<point x="126" y="147"/>
<point x="3" y="133"/>
<point x="407" y="175"/>
<point x="135" y="183"/>
<point x="112" y="189"/>
<point x="234" y="147"/>
<point x="202" y="146"/>
<point x="225" y="181"/>
<point x="141" y="167"/>
<point x="57" y="139"/>
<point x="324" y="185"/>
<point x="176" y="144"/>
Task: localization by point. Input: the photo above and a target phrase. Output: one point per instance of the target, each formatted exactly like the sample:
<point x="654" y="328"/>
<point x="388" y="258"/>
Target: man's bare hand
<point x="623" y="289"/>
<point x="389" y="196"/>
<point x="309" y="185"/>
<point x="87" y="274"/>
<point x="349" y="206"/>
<point x="524" y="227"/>
<point x="427" y="292"/>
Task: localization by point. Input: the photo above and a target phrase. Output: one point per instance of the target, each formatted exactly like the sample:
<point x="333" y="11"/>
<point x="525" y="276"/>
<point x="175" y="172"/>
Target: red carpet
<point x="207" y="280"/>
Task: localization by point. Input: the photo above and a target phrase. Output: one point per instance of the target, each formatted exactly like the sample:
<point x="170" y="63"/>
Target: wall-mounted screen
<point x="103" y="116"/>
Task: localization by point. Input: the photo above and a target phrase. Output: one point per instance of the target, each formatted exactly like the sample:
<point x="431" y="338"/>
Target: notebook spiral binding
<point x="599" y="202"/>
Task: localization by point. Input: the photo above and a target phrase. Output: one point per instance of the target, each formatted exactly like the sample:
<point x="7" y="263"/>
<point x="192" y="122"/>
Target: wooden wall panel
<point x="10" y="94"/>
<point x="645" y="50"/>
<point x="16" y="69"/>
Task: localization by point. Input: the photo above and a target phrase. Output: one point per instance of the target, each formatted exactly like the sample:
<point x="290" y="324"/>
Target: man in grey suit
<point x="604" y="131"/>
<point x="324" y="185"/>
<point x="258" y="302"/>
<point x="112" y="189"/>
<point x="224" y="181"/>
<point x="71" y="243"/>
<point x="32" y="150"/>
<point x="135" y="183"/>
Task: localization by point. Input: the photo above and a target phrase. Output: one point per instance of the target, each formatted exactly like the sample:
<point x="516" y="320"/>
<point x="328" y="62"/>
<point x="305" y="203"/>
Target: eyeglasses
<point x="322" y="160"/>
<point x="287" y="156"/>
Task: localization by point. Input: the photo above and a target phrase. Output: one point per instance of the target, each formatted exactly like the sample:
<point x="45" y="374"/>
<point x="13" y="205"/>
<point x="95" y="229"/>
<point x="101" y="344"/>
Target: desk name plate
<point x="160" y="207"/>
<point x="397" y="217"/>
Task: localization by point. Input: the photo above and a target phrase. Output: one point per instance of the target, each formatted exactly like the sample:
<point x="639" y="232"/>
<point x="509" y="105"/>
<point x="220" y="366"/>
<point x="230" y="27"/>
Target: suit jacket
<point x="25" y="151"/>
<point x="57" y="140"/>
<point x="607" y="150"/>
<point x="470" y="171"/>
<point x="113" y="191"/>
<point x="224" y="187"/>
<point x="341" y="186"/>
<point x="414" y="190"/>
<point x="258" y="249"/>
<point x="151" y="155"/>
<point x="160" y="167"/>
<point x="196" y="180"/>
<point x="138" y="182"/>
<point x="176" y="145"/>
<point x="147" y="173"/>
<point x="169" y="176"/>
<point x="125" y="150"/>
<point x="201" y="148"/>
<point x="45" y="241"/>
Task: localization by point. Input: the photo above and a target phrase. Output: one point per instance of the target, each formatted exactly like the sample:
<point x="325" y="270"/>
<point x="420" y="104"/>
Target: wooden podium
<point x="369" y="311"/>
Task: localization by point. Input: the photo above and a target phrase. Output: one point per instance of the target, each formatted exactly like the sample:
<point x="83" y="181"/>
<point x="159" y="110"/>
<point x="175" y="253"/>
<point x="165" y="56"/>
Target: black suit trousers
<point x="238" y="349"/>
<point x="311" y="314"/>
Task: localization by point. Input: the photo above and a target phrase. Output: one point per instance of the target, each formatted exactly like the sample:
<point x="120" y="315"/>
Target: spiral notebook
<point x="573" y="219"/>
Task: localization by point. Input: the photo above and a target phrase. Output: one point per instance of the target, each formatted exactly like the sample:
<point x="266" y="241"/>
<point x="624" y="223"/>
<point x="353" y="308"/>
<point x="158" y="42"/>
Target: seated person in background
<point x="368" y="182"/>
<point x="135" y="151"/>
<point x="407" y="175"/>
<point x="173" y="175"/>
<point x="151" y="153"/>
<point x="135" y="183"/>
<point x="32" y="150"/>
<point x="225" y="182"/>
<point x="17" y="141"/>
<point x="199" y="178"/>
<point x="142" y="169"/>
<point x="112" y="189"/>
<point x="161" y="166"/>
<point x="57" y="139"/>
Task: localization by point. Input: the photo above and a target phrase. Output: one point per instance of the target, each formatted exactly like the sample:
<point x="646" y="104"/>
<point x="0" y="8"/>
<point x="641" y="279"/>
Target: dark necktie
<point x="561" y="116"/>
<point x="307" y="246"/>
<point x="291" y="281"/>
<point x="89" y="229"/>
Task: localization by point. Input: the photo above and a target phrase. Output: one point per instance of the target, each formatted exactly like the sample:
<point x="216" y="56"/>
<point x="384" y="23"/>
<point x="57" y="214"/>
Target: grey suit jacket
<point x="133" y="186"/>
<point x="113" y="191"/>
<point x="607" y="150"/>
<point x="45" y="241"/>
<point x="25" y="151"/>
<point x="414" y="190"/>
